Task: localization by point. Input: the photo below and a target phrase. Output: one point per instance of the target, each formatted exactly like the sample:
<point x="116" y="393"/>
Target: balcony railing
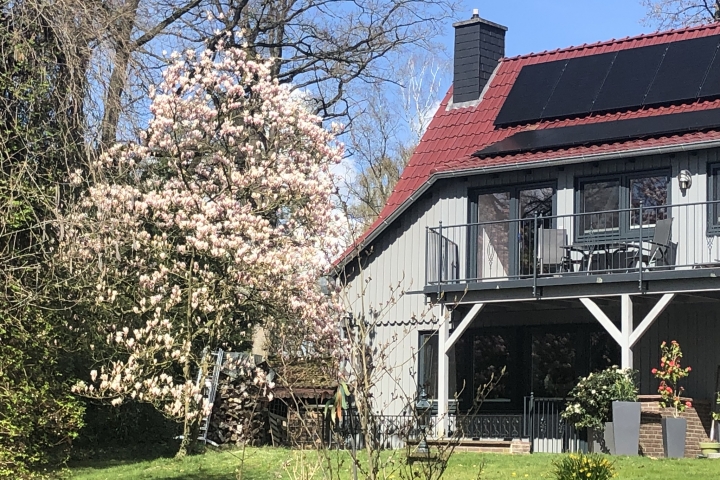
<point x="626" y="241"/>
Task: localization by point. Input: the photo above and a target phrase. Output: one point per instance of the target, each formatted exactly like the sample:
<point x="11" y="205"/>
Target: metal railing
<point x="489" y="426"/>
<point x="392" y="431"/>
<point x="547" y="430"/>
<point x="540" y="422"/>
<point x="625" y="241"/>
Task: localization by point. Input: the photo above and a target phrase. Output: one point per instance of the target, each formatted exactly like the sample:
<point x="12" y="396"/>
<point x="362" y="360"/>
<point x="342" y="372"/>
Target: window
<point x="428" y="363"/>
<point x="612" y="205"/>
<point x="506" y="231"/>
<point x="714" y="199"/>
<point x="650" y="193"/>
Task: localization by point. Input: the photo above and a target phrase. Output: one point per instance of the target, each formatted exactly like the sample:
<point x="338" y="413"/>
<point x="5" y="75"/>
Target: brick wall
<point x="698" y="426"/>
<point x="516" y="446"/>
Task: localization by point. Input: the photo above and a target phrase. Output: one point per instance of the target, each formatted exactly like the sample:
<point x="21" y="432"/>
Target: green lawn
<point x="267" y="464"/>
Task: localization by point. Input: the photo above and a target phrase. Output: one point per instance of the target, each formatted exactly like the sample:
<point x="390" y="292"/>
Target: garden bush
<point x="592" y="397"/>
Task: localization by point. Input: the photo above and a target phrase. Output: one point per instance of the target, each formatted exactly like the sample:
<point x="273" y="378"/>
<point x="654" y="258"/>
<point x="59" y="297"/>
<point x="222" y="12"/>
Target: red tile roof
<point x="454" y="135"/>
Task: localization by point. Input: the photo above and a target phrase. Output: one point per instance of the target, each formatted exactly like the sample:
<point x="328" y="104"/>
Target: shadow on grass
<point x="113" y="455"/>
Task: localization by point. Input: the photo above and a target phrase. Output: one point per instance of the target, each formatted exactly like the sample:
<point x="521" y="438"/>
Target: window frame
<point x="713" y="223"/>
<point x="514" y="190"/>
<point x="625" y="230"/>
<point x="434" y="337"/>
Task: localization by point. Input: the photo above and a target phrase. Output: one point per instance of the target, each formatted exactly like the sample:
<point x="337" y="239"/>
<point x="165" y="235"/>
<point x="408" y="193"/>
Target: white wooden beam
<point x="650" y="318"/>
<point x="443" y="374"/>
<point x="460" y="329"/>
<point x="626" y="325"/>
<point x="603" y="319"/>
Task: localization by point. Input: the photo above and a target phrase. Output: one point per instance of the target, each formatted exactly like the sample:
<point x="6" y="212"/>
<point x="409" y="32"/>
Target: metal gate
<point x="546" y="429"/>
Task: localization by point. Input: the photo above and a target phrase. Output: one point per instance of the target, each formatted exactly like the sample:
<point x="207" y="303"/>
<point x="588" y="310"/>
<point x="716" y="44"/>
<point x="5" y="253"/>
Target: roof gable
<point x="455" y="134"/>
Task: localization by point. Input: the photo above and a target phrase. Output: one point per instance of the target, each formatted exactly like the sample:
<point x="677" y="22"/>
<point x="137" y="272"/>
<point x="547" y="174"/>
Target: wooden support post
<point x="600" y="316"/>
<point x="460" y="329"/>
<point x="627" y="336"/>
<point x="443" y="373"/>
<point x="650" y="318"/>
<point x="627" y="325"/>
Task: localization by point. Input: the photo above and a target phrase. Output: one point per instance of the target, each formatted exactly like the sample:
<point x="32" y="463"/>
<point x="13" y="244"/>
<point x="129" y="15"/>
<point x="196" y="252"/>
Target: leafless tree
<point x="383" y="139"/>
<point x="681" y="13"/>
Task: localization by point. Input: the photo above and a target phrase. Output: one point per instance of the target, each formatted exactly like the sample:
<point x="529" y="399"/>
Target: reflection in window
<point x="428" y="364"/>
<point x="553" y="364"/>
<point x="600" y="197"/>
<point x="493" y="238"/>
<point x="651" y="193"/>
<point x="491" y="353"/>
<point x="533" y="201"/>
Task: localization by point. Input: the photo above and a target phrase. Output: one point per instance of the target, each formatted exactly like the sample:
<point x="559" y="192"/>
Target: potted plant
<point x="625" y="413"/>
<point x="592" y="408"/>
<point x="710" y="446"/>
<point x="670" y="373"/>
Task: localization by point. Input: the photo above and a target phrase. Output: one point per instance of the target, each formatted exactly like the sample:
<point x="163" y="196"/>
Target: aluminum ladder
<point x="209" y="390"/>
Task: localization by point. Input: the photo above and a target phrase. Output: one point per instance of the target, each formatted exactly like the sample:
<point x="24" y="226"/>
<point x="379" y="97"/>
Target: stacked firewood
<point x="239" y="413"/>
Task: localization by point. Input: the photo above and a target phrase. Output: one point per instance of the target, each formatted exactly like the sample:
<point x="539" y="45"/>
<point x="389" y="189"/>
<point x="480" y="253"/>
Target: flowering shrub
<point x="580" y="466"/>
<point x="220" y="220"/>
<point x="669" y="374"/>
<point x="592" y="397"/>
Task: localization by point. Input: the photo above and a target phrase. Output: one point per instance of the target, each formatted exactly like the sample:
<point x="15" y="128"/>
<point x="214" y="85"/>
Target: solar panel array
<point x="531" y="140"/>
<point x="644" y="76"/>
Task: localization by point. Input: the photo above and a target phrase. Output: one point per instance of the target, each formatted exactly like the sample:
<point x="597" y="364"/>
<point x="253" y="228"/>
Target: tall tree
<point x="39" y="149"/>
<point x="681" y="13"/>
<point x="221" y="219"/>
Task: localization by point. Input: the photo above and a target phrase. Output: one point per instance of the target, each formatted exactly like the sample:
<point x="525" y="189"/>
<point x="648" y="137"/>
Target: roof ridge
<point x="604" y="43"/>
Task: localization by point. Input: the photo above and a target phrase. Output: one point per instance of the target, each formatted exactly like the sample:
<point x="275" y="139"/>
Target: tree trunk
<point x="116" y="86"/>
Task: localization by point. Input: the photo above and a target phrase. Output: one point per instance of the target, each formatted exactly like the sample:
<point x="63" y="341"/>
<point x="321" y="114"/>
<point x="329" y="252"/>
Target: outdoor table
<point x="589" y="249"/>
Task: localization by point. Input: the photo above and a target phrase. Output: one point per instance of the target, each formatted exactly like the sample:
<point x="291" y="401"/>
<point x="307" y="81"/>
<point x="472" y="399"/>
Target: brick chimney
<point x="479" y="46"/>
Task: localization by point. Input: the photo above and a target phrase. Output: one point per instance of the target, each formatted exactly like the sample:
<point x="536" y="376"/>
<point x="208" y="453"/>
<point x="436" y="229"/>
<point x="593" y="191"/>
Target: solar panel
<point x="563" y="137"/>
<point x="530" y="92"/>
<point x="579" y="85"/>
<point x="682" y="71"/>
<point x="630" y="77"/>
<point x="711" y="87"/>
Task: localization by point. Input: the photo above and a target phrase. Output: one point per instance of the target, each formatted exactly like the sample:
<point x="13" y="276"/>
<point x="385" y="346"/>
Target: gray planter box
<point x="626" y="427"/>
<point x="673" y="432"/>
<point x="601" y="441"/>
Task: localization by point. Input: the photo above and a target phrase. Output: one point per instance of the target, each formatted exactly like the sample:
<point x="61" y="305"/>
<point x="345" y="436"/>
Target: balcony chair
<point x="661" y="252"/>
<point x="552" y="257"/>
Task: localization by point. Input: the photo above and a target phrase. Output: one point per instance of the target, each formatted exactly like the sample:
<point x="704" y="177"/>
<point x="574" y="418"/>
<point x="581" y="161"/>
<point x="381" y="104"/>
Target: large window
<point x="428" y="363"/>
<point x="611" y="206"/>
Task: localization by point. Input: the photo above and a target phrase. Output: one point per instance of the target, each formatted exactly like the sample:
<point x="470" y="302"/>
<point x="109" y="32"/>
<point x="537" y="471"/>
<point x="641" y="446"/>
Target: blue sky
<point x="537" y="25"/>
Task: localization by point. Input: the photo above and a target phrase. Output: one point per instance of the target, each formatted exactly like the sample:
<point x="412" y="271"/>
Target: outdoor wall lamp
<point x="684" y="179"/>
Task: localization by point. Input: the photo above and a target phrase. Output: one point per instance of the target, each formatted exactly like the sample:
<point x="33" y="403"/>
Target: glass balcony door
<point x="506" y="230"/>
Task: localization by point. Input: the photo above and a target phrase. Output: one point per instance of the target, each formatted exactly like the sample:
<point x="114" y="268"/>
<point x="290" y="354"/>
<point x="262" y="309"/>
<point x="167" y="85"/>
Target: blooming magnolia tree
<point x="220" y="220"/>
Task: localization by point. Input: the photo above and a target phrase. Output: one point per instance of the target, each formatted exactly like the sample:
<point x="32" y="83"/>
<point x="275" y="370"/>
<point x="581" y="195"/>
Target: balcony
<point x="642" y="249"/>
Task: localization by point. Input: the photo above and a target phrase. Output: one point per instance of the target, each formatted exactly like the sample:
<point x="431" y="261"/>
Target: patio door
<point x="506" y="230"/>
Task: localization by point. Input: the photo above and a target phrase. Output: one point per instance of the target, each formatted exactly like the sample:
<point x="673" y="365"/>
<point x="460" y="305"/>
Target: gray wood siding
<point x="397" y="260"/>
<point x="697" y="328"/>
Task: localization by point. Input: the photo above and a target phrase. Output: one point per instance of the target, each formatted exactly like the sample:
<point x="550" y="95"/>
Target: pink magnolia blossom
<point x="220" y="220"/>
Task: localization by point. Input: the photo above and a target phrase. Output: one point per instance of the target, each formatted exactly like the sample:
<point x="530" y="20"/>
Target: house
<point x="560" y="215"/>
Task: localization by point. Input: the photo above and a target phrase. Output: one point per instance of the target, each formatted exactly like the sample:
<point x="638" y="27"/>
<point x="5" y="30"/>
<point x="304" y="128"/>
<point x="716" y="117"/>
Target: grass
<point x="267" y="464"/>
